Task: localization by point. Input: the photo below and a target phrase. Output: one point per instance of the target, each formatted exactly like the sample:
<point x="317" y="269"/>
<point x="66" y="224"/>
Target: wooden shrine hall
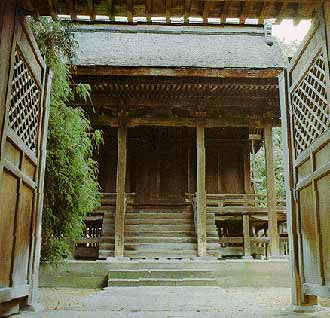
<point x="180" y="108"/>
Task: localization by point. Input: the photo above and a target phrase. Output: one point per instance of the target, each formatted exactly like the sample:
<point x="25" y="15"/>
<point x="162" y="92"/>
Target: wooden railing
<point x="233" y="204"/>
<point x="87" y="247"/>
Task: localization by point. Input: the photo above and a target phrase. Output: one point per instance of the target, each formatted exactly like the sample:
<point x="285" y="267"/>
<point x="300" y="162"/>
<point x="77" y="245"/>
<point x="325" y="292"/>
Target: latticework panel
<point x="24" y="103"/>
<point x="311" y="111"/>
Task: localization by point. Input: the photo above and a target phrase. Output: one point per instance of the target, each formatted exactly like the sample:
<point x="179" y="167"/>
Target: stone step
<point x="160" y="246"/>
<point x="163" y="227"/>
<point x="157" y="209"/>
<point x="153" y="215"/>
<point x="152" y="239"/>
<point x="162" y="254"/>
<point x="159" y="273"/>
<point x="157" y="233"/>
<point x="137" y="221"/>
<point x="162" y="282"/>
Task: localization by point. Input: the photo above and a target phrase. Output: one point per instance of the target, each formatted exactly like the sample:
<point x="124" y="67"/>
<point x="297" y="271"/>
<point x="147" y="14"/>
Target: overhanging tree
<point x="71" y="187"/>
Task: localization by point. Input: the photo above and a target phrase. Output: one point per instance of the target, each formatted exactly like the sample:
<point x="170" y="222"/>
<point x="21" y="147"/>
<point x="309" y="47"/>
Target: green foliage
<point x="71" y="188"/>
<point x="260" y="167"/>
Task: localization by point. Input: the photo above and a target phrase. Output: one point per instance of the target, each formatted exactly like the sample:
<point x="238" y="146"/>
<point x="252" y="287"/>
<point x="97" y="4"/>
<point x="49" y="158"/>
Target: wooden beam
<point x="271" y="192"/>
<point x="120" y="189"/>
<point x="201" y="192"/>
<point x="297" y="298"/>
<point x="105" y="120"/>
<point x="33" y="299"/>
<point x="104" y="70"/>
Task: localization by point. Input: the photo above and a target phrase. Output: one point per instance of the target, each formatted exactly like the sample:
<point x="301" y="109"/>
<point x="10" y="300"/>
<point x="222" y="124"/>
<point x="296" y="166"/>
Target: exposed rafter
<point x="239" y="9"/>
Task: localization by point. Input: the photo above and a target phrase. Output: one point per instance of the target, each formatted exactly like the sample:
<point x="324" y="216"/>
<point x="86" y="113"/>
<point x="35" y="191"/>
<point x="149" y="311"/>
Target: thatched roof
<point x="160" y="46"/>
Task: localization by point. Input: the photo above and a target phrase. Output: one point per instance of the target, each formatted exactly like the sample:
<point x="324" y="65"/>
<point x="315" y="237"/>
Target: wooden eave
<point x="187" y="11"/>
<point x="104" y="70"/>
<point x="175" y="100"/>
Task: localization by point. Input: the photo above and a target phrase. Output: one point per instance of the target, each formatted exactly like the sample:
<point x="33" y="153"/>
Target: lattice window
<point x="311" y="111"/>
<point x="24" y="103"/>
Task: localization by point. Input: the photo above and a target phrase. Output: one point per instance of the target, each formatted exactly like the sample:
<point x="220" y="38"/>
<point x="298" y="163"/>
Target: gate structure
<point x="306" y="128"/>
<point x="25" y="84"/>
<point x="24" y="92"/>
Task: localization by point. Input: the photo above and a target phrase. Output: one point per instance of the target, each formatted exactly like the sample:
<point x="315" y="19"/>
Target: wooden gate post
<point x="271" y="193"/>
<point x="120" y="188"/>
<point x="201" y="192"/>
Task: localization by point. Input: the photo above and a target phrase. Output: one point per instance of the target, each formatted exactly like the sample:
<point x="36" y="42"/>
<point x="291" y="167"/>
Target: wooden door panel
<point x="309" y="135"/>
<point x="23" y="234"/>
<point x="8" y="199"/>
<point x="309" y="235"/>
<point x="22" y="162"/>
<point x="323" y="190"/>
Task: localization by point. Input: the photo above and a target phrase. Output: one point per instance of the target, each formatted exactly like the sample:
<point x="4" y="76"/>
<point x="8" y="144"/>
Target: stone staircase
<point x="131" y="274"/>
<point x="107" y="243"/>
<point x="157" y="232"/>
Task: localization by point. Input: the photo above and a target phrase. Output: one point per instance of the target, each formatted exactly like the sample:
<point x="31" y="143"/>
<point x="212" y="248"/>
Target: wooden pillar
<point x="201" y="192"/>
<point x="247" y="188"/>
<point x="271" y="193"/>
<point x="246" y="235"/>
<point x="120" y="189"/>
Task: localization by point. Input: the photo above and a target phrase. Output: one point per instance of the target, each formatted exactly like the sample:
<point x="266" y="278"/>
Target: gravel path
<point x="168" y="302"/>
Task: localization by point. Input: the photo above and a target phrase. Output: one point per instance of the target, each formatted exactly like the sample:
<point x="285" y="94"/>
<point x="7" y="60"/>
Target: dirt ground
<point x="169" y="302"/>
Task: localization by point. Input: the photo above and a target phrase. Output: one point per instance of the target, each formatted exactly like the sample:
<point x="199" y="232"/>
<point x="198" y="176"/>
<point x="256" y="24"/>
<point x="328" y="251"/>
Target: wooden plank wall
<point x="168" y="172"/>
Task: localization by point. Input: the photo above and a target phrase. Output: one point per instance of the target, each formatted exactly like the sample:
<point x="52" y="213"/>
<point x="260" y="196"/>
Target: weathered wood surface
<point x="203" y="11"/>
<point x="271" y="191"/>
<point x="23" y="123"/>
<point x="120" y="186"/>
<point x="200" y="217"/>
<point x="306" y="134"/>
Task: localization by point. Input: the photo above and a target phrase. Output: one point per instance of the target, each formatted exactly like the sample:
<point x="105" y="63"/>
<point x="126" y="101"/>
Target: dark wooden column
<point x="200" y="218"/>
<point x="120" y="189"/>
<point x="247" y="188"/>
<point x="271" y="193"/>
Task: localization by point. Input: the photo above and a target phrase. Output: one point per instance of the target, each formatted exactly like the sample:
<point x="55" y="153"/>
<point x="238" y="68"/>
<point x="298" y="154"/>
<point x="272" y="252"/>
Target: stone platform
<point x="227" y="273"/>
